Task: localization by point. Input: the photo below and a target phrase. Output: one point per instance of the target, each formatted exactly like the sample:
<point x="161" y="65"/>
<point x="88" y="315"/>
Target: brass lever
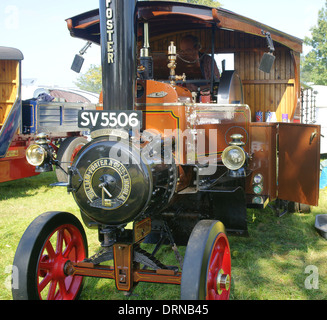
<point x="313" y="135"/>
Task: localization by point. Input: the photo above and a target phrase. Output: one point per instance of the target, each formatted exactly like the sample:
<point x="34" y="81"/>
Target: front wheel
<point x="207" y="263"/>
<point x="51" y="240"/>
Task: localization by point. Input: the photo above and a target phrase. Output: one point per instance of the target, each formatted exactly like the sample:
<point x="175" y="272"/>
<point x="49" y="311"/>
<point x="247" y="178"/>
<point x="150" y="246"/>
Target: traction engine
<point x="142" y="178"/>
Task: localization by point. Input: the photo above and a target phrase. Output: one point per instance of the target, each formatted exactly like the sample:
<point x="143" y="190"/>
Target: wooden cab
<point x="9" y="80"/>
<point x="10" y="96"/>
<point x="218" y="31"/>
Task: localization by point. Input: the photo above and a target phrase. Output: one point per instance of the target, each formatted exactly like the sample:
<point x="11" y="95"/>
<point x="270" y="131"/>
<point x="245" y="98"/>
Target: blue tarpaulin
<point x="323" y="176"/>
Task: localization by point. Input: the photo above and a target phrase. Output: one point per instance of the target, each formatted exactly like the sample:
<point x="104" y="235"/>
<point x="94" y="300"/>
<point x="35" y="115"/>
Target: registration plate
<point x="95" y="119"/>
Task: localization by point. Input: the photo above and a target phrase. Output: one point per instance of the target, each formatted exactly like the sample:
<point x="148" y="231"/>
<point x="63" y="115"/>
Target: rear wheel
<point x="207" y="264"/>
<point x="66" y="154"/>
<point x="51" y="240"/>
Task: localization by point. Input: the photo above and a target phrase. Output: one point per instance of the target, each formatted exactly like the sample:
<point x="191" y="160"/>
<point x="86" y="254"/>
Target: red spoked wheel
<point x="219" y="270"/>
<point x="50" y="242"/>
<point x="63" y="245"/>
<point x="207" y="264"/>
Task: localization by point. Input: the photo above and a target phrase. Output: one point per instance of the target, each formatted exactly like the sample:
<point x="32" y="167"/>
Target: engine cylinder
<point x="113" y="182"/>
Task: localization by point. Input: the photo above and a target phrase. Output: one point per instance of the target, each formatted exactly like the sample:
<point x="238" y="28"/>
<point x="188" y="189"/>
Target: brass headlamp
<point x="234" y="156"/>
<point x="39" y="154"/>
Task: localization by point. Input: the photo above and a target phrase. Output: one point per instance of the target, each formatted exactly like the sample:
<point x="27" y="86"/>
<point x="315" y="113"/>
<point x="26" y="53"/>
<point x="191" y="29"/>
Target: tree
<point x="314" y="64"/>
<point x="91" y="80"/>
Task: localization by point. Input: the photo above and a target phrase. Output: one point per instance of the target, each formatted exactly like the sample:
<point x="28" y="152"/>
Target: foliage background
<point x="314" y="64"/>
<point x="91" y="80"/>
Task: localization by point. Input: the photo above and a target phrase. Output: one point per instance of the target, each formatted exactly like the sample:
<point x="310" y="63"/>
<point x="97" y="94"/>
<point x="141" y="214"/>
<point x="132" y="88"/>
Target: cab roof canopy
<point x="10" y="54"/>
<point x="165" y="17"/>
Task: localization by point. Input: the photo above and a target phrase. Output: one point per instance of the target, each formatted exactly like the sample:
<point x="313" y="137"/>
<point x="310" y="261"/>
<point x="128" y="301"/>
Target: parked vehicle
<point x="175" y="157"/>
<point x="22" y="121"/>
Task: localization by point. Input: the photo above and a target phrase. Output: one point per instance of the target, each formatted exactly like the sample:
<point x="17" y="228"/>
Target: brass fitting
<point x="172" y="57"/>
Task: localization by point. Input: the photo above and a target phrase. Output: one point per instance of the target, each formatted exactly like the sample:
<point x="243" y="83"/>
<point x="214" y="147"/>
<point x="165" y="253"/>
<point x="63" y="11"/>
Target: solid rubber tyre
<point x="48" y="243"/>
<point x="207" y="256"/>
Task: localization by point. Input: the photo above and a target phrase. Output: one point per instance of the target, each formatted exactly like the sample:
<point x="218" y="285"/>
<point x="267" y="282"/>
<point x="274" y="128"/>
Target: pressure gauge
<point x="258" y="178"/>
<point x="258" y="189"/>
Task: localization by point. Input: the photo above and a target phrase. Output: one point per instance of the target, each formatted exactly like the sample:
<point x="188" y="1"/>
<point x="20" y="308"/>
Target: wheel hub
<point x="54" y="266"/>
<point x="223" y="281"/>
<point x="58" y="268"/>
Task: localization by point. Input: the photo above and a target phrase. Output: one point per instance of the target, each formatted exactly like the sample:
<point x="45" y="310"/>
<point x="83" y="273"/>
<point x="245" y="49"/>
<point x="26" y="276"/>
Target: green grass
<point x="269" y="264"/>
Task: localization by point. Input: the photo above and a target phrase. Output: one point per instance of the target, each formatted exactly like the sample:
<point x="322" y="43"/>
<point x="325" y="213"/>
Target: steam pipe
<point x="146" y="70"/>
<point x="118" y="53"/>
<point x="146" y="44"/>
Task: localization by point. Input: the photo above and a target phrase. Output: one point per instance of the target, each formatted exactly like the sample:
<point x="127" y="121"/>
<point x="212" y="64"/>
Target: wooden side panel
<point x="268" y="92"/>
<point x="9" y="81"/>
<point x="276" y="92"/>
<point x="299" y="163"/>
<point x="265" y="92"/>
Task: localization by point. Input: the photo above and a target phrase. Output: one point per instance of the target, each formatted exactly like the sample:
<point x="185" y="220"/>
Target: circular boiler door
<point x="111" y="183"/>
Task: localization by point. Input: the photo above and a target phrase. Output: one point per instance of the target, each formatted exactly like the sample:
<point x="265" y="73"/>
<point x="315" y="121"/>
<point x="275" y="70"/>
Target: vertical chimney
<point x="118" y="53"/>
